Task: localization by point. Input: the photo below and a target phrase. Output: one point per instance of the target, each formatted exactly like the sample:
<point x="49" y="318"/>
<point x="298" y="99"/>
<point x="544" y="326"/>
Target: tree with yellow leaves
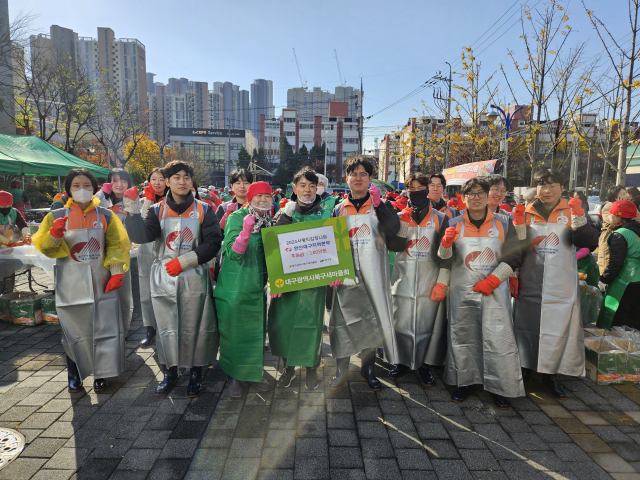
<point x="146" y="154"/>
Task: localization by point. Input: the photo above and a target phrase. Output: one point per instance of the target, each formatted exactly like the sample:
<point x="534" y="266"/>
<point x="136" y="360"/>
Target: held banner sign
<point x="308" y="254"/>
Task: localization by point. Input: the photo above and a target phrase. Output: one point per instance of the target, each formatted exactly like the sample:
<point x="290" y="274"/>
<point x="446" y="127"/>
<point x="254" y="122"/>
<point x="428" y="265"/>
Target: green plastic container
<point x="27" y="311"/>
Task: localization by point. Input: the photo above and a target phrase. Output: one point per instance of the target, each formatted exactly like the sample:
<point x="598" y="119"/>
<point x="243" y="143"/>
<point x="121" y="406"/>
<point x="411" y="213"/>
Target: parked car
<point x="595" y="212"/>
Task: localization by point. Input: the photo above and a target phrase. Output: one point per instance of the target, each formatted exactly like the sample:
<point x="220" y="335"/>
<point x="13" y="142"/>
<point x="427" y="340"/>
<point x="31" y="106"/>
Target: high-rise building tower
<point x="316" y="102"/>
<point x="261" y="103"/>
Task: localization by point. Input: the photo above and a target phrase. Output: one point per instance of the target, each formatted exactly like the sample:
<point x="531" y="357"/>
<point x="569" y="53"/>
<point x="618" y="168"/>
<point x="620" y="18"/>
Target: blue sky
<point x="394" y="45"/>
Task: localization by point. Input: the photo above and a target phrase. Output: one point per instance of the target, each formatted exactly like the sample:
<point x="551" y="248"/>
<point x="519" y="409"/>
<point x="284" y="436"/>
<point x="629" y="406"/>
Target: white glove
<point x="602" y="286"/>
<point x="289" y="208"/>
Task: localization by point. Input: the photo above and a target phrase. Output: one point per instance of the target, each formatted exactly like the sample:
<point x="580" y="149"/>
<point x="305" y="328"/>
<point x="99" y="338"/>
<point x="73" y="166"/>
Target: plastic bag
<point x="590" y="303"/>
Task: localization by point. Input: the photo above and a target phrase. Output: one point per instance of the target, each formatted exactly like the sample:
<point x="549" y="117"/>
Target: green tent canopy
<point x="30" y="155"/>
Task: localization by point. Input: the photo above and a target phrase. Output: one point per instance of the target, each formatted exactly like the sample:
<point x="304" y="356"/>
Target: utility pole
<point x="228" y="160"/>
<point x="448" y="119"/>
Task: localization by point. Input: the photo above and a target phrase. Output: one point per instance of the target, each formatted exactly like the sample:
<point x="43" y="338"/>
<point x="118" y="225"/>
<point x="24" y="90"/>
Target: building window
<point x="289" y="120"/>
<point x="290" y="134"/>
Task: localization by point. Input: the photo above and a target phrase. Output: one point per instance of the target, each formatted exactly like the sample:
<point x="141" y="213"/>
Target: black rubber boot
<point x="75" y="382"/>
<point x="398" y="372"/>
<point x="342" y="373"/>
<point x="169" y="380"/>
<point x="500" y="402"/>
<point x="426" y="376"/>
<point x="149" y="337"/>
<point x="235" y="388"/>
<point x="195" y="382"/>
<point x="459" y="395"/>
<point x="311" y="382"/>
<point x="550" y="382"/>
<point x="526" y="374"/>
<point x="366" y="371"/>
<point x="99" y="384"/>
<point x="380" y="353"/>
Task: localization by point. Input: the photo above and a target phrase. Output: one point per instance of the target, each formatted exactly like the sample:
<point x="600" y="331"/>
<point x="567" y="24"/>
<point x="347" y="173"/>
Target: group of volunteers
<point x="489" y="294"/>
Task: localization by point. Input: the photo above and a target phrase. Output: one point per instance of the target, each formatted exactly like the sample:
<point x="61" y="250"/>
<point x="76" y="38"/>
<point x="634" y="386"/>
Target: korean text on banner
<point x="308" y="249"/>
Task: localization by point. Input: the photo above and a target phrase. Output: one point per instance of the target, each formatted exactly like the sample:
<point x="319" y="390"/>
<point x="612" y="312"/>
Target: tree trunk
<point x="605" y="180"/>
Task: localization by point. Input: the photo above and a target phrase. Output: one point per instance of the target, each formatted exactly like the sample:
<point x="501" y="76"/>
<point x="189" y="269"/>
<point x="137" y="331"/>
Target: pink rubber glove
<point x="374" y="191"/>
<point x="230" y="209"/>
<point x="275" y="295"/>
<point x="107" y="188"/>
<point x="583" y="252"/>
<point x="242" y="242"/>
<point x="335" y="283"/>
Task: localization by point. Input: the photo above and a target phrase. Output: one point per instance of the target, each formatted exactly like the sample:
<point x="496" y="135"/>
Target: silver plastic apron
<point x="482" y="346"/>
<point x="361" y="316"/>
<point x="187" y="331"/>
<point x="126" y="290"/>
<point x="420" y="324"/>
<point x="547" y="311"/>
<point x="91" y="320"/>
<point x="146" y="255"/>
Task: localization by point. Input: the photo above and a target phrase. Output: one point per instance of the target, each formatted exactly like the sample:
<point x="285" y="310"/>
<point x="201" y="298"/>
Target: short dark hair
<point x="475" y="182"/>
<point x="239" y="174"/>
<point x="76" y="172"/>
<point x="544" y="177"/>
<point x="122" y="174"/>
<point x="612" y="193"/>
<point x="172" y="168"/>
<point x="440" y="176"/>
<point x="633" y="191"/>
<point x="307" y="173"/>
<point x="352" y="165"/>
<point x="195" y="187"/>
<point x="420" y="177"/>
<point x="155" y="170"/>
<point x="495" y="180"/>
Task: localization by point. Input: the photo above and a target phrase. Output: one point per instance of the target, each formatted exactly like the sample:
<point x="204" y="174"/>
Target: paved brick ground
<point x="405" y="431"/>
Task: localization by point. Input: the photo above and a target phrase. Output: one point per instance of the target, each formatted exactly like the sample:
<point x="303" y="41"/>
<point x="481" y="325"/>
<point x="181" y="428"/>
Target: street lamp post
<point x="168" y="145"/>
<point x="506" y="119"/>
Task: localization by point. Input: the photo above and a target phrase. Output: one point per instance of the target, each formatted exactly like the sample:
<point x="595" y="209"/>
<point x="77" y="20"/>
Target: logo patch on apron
<point x="493" y="233"/>
<point x="86" y="252"/>
<point x="547" y="244"/>
<point x="562" y="219"/>
<point x="360" y="235"/>
<point x="419" y="248"/>
<point x="180" y="240"/>
<point x="481" y="262"/>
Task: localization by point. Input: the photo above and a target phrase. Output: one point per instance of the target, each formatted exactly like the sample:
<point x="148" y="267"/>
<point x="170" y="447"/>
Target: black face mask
<point x="419" y="198"/>
<point x="5" y="211"/>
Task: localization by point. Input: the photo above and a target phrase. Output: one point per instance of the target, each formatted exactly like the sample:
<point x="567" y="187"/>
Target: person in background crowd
<point x="484" y="252"/>
<point x="437" y="184"/>
<point x="547" y="317"/>
<point x="499" y="188"/>
<point x="420" y="324"/>
<point x="615" y="193"/>
<point x="10" y="217"/>
<point x="59" y="201"/>
<point x="529" y="196"/>
<point x="622" y="274"/>
<point x="190" y="236"/>
<point x="328" y="200"/>
<point x="240" y="181"/>
<point x="240" y="295"/>
<point x="583" y="199"/>
<point x="362" y="317"/>
<point x="87" y="281"/>
<point x="154" y="192"/>
<point x="20" y="197"/>
<point x="295" y="318"/>
<point x="634" y="196"/>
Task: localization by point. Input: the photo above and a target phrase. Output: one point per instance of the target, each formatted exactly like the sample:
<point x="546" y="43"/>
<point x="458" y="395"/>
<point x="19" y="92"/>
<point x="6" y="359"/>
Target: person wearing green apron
<point x="295" y="318"/>
<point x="622" y="274"/>
<point x="240" y="294"/>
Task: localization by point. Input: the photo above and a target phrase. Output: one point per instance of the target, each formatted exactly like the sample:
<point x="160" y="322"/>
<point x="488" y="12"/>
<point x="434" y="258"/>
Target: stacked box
<point x="49" y="312"/>
<point x="632" y="359"/>
<point x="27" y="311"/>
<point x="5" y="305"/>
<point x="605" y="362"/>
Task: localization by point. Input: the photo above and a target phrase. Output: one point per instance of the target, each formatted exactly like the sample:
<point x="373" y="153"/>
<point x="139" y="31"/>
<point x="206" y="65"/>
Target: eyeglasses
<point x="481" y="194"/>
<point x="356" y="175"/>
<point x="502" y="191"/>
<point x="550" y="186"/>
<point x="435" y="186"/>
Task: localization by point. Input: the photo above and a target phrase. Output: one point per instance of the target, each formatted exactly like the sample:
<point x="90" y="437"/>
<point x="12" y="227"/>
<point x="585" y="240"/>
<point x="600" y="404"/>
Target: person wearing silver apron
<point x="361" y="316"/>
<point x="420" y="323"/>
<point x="547" y="310"/>
<point x="481" y="343"/>
<point x="187" y="235"/>
<point x="153" y="193"/>
<point x="437" y="184"/>
<point x="91" y="249"/>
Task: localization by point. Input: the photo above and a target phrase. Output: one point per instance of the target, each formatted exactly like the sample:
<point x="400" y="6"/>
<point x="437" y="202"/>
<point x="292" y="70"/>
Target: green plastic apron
<point x="241" y="305"/>
<point x="630" y="273"/>
<point x="296" y="318"/>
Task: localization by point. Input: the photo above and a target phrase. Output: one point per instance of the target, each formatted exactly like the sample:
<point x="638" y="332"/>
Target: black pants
<point x="627" y="313"/>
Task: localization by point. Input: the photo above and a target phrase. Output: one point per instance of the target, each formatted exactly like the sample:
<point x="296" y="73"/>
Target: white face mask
<point x="261" y="205"/>
<point x="82" y="195"/>
<point x="320" y="190"/>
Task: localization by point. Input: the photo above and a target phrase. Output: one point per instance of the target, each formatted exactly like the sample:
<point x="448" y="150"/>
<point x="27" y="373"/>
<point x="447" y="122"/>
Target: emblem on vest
<point x="562" y="219"/>
<point x="360" y="235"/>
<point x="193" y="214"/>
<point x="493" y="232"/>
<point x="481" y="262"/>
<point x="547" y="244"/>
<point x="180" y="240"/>
<point x="85" y="252"/>
<point x="96" y="224"/>
<point x="418" y="248"/>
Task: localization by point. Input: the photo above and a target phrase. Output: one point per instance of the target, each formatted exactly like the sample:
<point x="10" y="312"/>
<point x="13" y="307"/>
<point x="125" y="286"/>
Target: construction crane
<point x="344" y="84"/>
<point x="303" y="84"/>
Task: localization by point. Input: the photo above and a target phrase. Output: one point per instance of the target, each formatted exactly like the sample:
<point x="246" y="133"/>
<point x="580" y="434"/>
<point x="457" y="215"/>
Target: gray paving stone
<point x="169" y="469"/>
<point x="536" y="417"/>
<point x="246" y="448"/>
<point x="529" y="441"/>
<point x="372" y="430"/>
<point x="376" y="448"/>
<point x="445" y="449"/>
<point x="152" y="439"/>
<point x="609" y="433"/>
<point x="341" y="421"/>
<point x="43" y="447"/>
<point x="451" y="469"/>
<point x="97" y="468"/>
<point x="139" y="459"/>
<point x="180" y="448"/>
<point x="432" y="431"/>
<point x="68" y="458"/>
<point x="112" y="448"/>
<point x="627" y="450"/>
<point x="588" y="471"/>
<point x="514" y="425"/>
<point x="413" y="459"/>
<point x="381" y="468"/>
<point x="345" y="457"/>
<point x="312" y="429"/>
<point x="209" y="459"/>
<point x="371" y="414"/>
<point x="311" y="468"/>
<point x="347" y="474"/>
<point x="22" y="468"/>
<point x="279" y="474"/>
<point x="479" y="459"/>
<point x="467" y="440"/>
<point x="307" y="447"/>
<point x="343" y="438"/>
<point x="278" y="458"/>
<point x="519" y="469"/>
<point x="551" y="433"/>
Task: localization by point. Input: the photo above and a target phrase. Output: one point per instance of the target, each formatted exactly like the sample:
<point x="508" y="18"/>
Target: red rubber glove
<point x="461" y="204"/>
<point x="283" y="202"/>
<point x="149" y="193"/>
<point x="487" y="285"/>
<point x="518" y="215"/>
<point x="439" y="292"/>
<point x="449" y="237"/>
<point x="173" y="267"/>
<point x="406" y="215"/>
<point x="107" y="188"/>
<point x="374" y="192"/>
<point x="513" y="286"/>
<point x="59" y="227"/>
<point x="132" y="194"/>
<point x="575" y="204"/>
<point x="115" y="282"/>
